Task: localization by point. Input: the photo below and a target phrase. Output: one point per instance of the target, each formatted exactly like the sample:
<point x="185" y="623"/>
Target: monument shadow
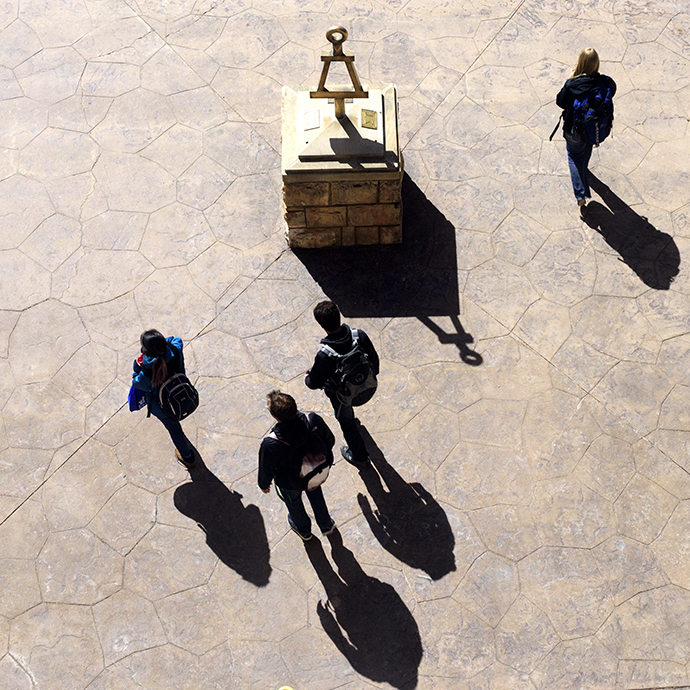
<point x="407" y="520"/>
<point x="651" y="254"/>
<point x="417" y="278"/>
<point x="234" y="532"/>
<point x="366" y="619"/>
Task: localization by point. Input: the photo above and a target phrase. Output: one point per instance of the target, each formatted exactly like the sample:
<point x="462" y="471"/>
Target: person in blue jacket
<point x="160" y="358"/>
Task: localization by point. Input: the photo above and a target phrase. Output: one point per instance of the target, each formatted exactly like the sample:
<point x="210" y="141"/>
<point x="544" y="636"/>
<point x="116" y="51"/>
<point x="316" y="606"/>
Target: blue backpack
<point x="593" y="115"/>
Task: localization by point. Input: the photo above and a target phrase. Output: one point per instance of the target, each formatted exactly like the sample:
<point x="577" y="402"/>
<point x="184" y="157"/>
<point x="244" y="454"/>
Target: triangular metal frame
<point x="349" y="60"/>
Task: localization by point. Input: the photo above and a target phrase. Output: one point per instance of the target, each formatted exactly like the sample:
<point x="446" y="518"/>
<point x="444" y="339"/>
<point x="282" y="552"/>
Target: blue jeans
<point x="579" y="154"/>
<point x="297" y="515"/>
<point x="174" y="428"/>
<point x="346" y="418"/>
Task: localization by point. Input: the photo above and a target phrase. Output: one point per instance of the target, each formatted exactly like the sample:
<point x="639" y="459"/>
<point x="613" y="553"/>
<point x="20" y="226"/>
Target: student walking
<point x="161" y="359"/>
<point x="297" y="455"/>
<point x="346" y="367"/>
<point x="586" y="99"/>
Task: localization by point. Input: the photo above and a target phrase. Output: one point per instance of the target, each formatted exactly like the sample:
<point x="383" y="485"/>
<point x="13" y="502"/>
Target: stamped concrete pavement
<point x="527" y="523"/>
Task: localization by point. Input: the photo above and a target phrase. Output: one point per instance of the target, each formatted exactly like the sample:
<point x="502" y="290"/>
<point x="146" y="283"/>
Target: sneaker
<point x="303" y="537"/>
<point x="189" y="463"/>
<point x="347" y="454"/>
<point x="331" y="529"/>
<point x="581" y="202"/>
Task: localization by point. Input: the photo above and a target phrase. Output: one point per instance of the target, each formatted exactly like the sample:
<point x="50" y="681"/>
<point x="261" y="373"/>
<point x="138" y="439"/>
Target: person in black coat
<point x="585" y="77"/>
<point x="278" y="462"/>
<point x="339" y="338"/>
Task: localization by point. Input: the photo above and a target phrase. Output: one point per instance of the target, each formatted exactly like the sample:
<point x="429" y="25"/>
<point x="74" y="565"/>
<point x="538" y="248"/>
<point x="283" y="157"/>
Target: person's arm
<point x="320" y="372"/>
<point x="266" y="466"/>
<point x="564" y="99"/>
<point x="324" y="432"/>
<point x="139" y="379"/>
<point x="369" y="348"/>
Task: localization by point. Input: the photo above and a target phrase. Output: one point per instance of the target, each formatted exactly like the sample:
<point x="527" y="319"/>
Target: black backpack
<point x="593" y="114"/>
<point x="310" y="459"/>
<point x="177" y="396"/>
<point x="353" y="382"/>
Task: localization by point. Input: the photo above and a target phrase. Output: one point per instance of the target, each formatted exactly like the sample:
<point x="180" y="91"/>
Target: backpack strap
<point x="555" y="129"/>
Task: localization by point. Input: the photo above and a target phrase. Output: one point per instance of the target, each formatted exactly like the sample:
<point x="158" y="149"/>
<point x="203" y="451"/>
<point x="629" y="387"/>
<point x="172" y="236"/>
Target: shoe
<point x="189" y="464"/>
<point x="331" y="529"/>
<point x="582" y="202"/>
<point x="347" y="454"/>
<point x="303" y="537"/>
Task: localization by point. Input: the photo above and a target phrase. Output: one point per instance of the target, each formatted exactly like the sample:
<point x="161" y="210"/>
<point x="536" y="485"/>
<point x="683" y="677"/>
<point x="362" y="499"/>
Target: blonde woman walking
<point x="587" y="102"/>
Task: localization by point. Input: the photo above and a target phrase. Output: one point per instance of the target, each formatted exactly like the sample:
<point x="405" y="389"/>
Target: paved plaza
<point x="527" y="523"/>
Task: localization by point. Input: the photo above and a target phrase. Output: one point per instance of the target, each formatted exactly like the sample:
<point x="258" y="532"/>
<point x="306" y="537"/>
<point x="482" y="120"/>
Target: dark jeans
<point x="174" y="428"/>
<point x="579" y="154"/>
<point x="346" y="418"/>
<point x="298" y="515"/>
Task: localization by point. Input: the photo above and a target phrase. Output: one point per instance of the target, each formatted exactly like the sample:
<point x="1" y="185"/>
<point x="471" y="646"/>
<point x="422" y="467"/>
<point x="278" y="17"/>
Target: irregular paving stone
<point x="545" y="326"/>
<point x="32" y="289"/>
<point x="125" y="518"/>
<point x="168" y="560"/>
<point x="53" y="241"/>
<point x="51" y="75"/>
<point x="101" y="363"/>
<point x="455" y="640"/>
<point x="582" y="362"/>
<point x="450" y="385"/>
<point x="524" y="636"/>
<point x="44" y="338"/>
<point x="150" y="668"/>
<point x="127" y="623"/>
<point x="20" y="591"/>
<point x="62" y="420"/>
<point x="632" y="631"/>
<point x="507" y="530"/>
<point x="259" y="613"/>
<point x="76" y="492"/>
<point x="424" y="441"/>
<point x="57" y="153"/>
<point x="114" y="230"/>
<point x="13" y="676"/>
<point x="203" y="182"/>
<point x="629" y="567"/>
<point x="110" y="79"/>
<point x="192" y="621"/>
<point x="672" y="547"/>
<point x="238" y="147"/>
<point x="489" y="588"/>
<point x="607" y="466"/>
<point x="234" y="218"/>
<point x="634" y="392"/>
<point x="176" y="149"/>
<point x="175" y="235"/>
<point x="22" y="470"/>
<point x="518" y="238"/>
<point x="643" y="509"/>
<point x="254" y="97"/>
<point x="477" y="476"/>
<point x="654" y="465"/>
<point x="133" y="183"/>
<point x="576" y="664"/>
<point x="569" y="514"/>
<point x="493" y="423"/>
<point x="674" y="413"/>
<point x="24" y="118"/>
<point x="567" y="586"/>
<point x="57" y="640"/>
<point x="221" y="356"/>
<point x="216" y="269"/>
<point x="74" y="567"/>
<point x="25" y="531"/>
<point x="166" y="73"/>
<point x="649" y="674"/>
<point x="24" y="205"/>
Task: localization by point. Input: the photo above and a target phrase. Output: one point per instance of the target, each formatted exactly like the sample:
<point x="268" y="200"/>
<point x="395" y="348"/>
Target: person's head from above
<point x="327" y="315"/>
<point x="282" y="406"/>
<point x="587" y="62"/>
<point x="152" y="343"/>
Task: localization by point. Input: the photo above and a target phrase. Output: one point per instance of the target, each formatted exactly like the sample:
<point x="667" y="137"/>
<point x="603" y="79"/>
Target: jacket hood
<point x="341" y="340"/>
<point x="148" y="361"/>
<point x="583" y="83"/>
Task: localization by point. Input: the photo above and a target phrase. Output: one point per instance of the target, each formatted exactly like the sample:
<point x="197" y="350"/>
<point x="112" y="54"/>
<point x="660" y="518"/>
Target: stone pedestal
<point x="342" y="177"/>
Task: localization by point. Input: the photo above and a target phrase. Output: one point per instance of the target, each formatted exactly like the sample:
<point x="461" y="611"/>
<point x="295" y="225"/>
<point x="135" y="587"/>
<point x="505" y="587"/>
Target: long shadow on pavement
<point x="407" y="520"/>
<point x="417" y="278"/>
<point x="366" y="619"/>
<point x="234" y="532"/>
<point x="651" y="254"/>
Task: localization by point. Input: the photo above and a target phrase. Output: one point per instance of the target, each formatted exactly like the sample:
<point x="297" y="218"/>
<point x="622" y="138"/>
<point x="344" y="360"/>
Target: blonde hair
<point x="587" y="62"/>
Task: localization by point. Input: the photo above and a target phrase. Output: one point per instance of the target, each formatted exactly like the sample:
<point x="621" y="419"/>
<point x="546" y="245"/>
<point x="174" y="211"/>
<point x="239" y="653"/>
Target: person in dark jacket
<point x="277" y="462"/>
<point x="160" y="359"/>
<point x="339" y="338"/>
<point x="585" y="76"/>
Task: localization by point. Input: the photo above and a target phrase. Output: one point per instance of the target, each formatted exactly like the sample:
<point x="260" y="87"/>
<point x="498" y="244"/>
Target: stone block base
<point x="343" y="213"/>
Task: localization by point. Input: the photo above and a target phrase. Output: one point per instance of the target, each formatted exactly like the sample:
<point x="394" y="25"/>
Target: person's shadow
<point x="651" y="254"/>
<point x="407" y="521"/>
<point x="234" y="532"/>
<point x="366" y="619"/>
